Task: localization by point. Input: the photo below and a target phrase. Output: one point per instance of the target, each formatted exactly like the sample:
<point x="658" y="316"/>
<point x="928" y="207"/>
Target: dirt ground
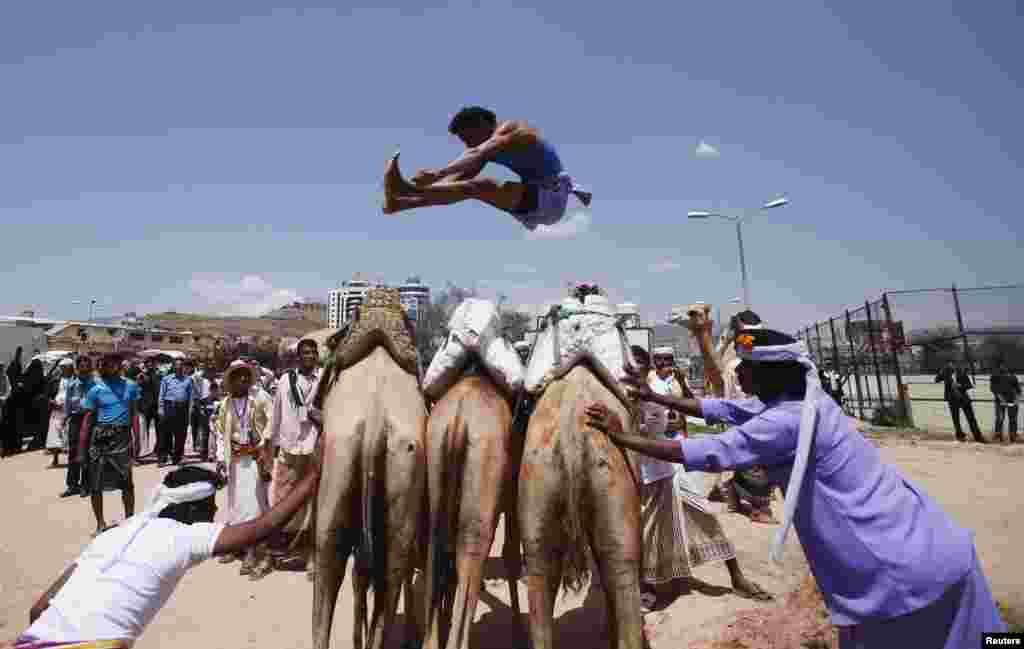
<point x="214" y="607"/>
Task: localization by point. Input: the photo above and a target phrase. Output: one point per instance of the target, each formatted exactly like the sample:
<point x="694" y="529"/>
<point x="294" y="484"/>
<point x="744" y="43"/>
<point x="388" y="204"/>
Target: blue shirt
<point x="110" y="399"/>
<point x="538" y="162"/>
<point x="877" y="545"/>
<point x="174" y="389"/>
<point x="77" y="390"/>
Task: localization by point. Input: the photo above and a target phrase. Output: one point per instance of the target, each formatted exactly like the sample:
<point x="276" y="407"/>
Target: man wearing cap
<point x="175" y="397"/>
<point x="112" y="592"/>
<point x="293" y="433"/>
<point x="108" y="428"/>
<point x="239" y="438"/>
<point x="894" y="569"/>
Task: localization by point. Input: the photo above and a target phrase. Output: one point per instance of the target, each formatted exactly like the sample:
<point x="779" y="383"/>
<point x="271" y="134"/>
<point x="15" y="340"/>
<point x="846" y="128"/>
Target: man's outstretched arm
<point x="510" y="135"/>
<point x="235" y="538"/>
<point x="603" y="419"/>
<point x="43" y="602"/>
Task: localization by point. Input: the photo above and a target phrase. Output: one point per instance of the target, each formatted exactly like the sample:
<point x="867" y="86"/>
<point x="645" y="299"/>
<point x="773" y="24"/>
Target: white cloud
<point x="252" y="295"/>
<point x="705" y="150"/>
<point x="519" y="269"/>
<point x="574" y="224"/>
<point x="664" y="266"/>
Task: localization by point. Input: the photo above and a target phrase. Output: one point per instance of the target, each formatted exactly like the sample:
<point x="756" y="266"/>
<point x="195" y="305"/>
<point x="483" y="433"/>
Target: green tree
<point x="432" y="325"/>
<point x="939" y="346"/>
<point x="1001" y="347"/>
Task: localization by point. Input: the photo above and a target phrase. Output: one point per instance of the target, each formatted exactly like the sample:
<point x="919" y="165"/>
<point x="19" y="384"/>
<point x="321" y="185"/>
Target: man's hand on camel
<point x="637" y="383"/>
<point x="426" y="177"/>
<point x="603" y="419"/>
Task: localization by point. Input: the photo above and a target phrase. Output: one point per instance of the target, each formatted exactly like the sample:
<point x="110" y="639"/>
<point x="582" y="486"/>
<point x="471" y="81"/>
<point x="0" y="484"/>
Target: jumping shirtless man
<point x="539" y="198"/>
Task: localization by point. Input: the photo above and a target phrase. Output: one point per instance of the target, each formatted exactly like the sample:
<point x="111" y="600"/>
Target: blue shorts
<point x="544" y="202"/>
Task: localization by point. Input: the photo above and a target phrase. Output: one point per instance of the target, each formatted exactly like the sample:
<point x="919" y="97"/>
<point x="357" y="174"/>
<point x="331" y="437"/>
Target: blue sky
<point x="226" y="156"/>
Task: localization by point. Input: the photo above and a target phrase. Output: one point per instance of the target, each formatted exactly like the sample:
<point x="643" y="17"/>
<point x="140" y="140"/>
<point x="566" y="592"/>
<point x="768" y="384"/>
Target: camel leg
<point x="405" y="473"/>
<point x="475" y="539"/>
<point x="544" y="547"/>
<point x="512" y="556"/>
<point x="360" y="585"/>
<point x="437" y="547"/>
<point x="413" y="637"/>
<point x="332" y="546"/>
<point x="621" y="581"/>
<point x="615" y="539"/>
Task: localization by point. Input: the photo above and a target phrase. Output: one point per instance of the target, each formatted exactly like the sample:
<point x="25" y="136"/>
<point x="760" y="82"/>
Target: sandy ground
<point x="214" y="607"/>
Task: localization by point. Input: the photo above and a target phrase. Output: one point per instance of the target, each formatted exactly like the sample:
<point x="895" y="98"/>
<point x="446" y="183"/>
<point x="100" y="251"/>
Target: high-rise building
<point x="342" y="302"/>
<point x="415" y="296"/>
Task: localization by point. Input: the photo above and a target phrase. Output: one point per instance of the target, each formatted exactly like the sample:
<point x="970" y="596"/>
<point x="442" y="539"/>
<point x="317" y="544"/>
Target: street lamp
<point x="92" y="306"/>
<point x="738" y="220"/>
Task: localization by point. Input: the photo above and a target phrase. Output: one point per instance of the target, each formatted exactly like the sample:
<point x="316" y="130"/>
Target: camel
<point x="472" y="463"/>
<point x="579" y="495"/>
<point x="371" y="493"/>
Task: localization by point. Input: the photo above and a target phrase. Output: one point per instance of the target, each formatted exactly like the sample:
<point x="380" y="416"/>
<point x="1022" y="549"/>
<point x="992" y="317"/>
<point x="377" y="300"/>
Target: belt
<point x="176" y="404"/>
<point x="244" y="450"/>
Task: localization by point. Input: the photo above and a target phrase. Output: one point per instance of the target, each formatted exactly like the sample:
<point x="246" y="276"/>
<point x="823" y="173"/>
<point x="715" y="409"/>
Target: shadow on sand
<point x="584" y="625"/>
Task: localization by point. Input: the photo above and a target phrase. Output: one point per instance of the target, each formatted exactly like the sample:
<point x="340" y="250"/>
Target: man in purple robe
<point x="893" y="567"/>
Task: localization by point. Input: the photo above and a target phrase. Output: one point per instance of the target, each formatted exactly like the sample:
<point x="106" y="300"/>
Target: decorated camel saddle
<point x="582" y="329"/>
<point x="475" y="337"/>
<point x="380" y="321"/>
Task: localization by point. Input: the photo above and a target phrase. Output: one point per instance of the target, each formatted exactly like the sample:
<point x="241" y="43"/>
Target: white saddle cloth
<point x="474" y="330"/>
<point x="583" y="332"/>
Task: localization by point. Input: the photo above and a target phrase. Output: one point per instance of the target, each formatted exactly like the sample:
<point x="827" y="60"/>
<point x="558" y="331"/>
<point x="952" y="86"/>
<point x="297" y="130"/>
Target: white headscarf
<point x="794" y="353"/>
<point x="162" y="497"/>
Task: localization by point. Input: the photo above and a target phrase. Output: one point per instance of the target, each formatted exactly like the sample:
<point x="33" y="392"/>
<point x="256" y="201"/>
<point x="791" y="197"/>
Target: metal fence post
<point x="874" y="352"/>
<point x="837" y="372"/>
<point x="963" y="335"/>
<point x="856" y="366"/>
<point x="821" y="356"/>
<point x="900" y="388"/>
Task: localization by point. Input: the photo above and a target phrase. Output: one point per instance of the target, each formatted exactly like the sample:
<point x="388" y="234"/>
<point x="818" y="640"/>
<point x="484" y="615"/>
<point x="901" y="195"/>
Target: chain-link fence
<point x="882" y="360"/>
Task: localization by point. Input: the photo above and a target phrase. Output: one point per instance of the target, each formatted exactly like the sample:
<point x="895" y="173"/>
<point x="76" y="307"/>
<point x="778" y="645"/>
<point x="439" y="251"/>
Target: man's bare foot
<point x="394" y="183"/>
<point x="394" y="187"/>
<point x="747" y="589"/>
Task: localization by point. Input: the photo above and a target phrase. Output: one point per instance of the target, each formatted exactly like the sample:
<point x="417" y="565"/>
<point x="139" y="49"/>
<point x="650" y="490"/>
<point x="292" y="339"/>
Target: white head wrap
<point x="162" y="497"/>
<point x="793" y="353"/>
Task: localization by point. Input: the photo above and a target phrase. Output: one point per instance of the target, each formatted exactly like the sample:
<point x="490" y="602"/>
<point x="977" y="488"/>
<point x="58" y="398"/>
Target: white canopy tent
<point x="169" y="353"/>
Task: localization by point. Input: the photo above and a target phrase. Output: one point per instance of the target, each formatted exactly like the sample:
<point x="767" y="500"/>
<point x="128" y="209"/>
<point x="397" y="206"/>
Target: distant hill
<point x="174" y="315"/>
<point x="229" y="326"/>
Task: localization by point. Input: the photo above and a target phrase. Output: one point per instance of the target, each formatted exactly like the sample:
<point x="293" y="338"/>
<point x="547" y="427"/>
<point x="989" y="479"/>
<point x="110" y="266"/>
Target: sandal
<point x="763" y="517"/>
<point x="756" y="593"/>
<point x="261" y="572"/>
<point x="648" y="601"/>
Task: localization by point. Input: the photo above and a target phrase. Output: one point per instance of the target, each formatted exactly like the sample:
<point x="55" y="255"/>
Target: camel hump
<point x="381" y="321"/>
<point x="474" y="334"/>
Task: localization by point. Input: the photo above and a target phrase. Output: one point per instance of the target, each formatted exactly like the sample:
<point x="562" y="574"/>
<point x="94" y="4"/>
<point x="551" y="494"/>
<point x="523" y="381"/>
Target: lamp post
<point x="92" y="306"/>
<point x="738" y="220"/>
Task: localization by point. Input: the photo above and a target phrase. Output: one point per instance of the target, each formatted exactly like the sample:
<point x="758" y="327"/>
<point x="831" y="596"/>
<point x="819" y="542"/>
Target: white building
<point x="415" y="296"/>
<point x="342" y="302"/>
